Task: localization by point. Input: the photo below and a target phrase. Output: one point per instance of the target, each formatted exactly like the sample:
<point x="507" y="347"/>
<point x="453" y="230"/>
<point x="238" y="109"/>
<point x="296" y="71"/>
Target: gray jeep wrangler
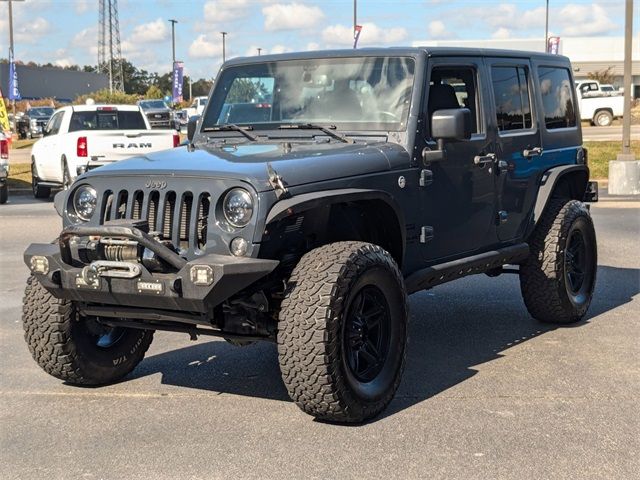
<point x="318" y="190"/>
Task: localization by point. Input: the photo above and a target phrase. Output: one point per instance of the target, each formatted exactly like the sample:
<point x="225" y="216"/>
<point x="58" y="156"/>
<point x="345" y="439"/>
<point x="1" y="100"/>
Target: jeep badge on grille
<point x="156" y="184"/>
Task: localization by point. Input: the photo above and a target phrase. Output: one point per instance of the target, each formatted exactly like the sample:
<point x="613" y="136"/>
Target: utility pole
<point x="12" y="59"/>
<point x="224" y="46"/>
<point x="173" y="41"/>
<point x="624" y="172"/>
<point x="355" y="18"/>
<point x="546" y="28"/>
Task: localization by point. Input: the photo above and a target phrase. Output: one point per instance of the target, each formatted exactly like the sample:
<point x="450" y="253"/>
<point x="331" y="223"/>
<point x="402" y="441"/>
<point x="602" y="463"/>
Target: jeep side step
<point x="445" y="272"/>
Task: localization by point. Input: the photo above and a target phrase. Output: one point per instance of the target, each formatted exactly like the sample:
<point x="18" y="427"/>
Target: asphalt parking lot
<point x="487" y="393"/>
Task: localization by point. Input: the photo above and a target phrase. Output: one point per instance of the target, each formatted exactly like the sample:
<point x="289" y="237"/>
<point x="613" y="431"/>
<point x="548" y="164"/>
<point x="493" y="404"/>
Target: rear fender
<point x="565" y="181"/>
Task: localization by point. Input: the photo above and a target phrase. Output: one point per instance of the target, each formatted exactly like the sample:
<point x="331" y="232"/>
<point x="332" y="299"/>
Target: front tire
<point x="77" y="349"/>
<point x="342" y="331"/>
<point x="4" y="193"/>
<point x="558" y="278"/>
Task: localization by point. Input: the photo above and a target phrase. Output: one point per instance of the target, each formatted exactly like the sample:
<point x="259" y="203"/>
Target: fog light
<point x="201" y="275"/>
<point x="239" y="247"/>
<point x="39" y="264"/>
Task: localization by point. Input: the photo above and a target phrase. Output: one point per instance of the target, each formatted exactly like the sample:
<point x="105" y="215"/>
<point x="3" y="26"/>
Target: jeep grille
<point x="180" y="217"/>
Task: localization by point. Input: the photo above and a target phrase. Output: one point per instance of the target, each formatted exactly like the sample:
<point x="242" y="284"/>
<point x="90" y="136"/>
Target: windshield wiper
<point x="232" y="127"/>
<point x="326" y="129"/>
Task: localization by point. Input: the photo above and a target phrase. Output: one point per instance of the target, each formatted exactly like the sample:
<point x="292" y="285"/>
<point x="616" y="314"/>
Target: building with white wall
<point x="587" y="54"/>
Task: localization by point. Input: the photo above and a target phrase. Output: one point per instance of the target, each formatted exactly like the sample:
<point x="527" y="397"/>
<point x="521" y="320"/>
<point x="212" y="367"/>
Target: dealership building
<point x="587" y="54"/>
<point x="48" y="82"/>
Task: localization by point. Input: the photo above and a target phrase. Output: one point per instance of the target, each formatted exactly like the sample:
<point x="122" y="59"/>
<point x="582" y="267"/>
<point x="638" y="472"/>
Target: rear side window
<point x="107" y="120"/>
<point x="511" y="93"/>
<point x="557" y="97"/>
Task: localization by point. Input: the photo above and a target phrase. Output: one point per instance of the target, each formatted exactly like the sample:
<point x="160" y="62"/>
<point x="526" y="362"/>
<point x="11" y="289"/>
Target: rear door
<point x="48" y="159"/>
<point x="459" y="201"/>
<point x="518" y="143"/>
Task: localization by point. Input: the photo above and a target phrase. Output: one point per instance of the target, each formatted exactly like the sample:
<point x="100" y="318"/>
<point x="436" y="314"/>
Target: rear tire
<point x="342" y="331"/>
<point x="38" y="190"/>
<point x="558" y="278"/>
<point x="603" y="118"/>
<point x="77" y="349"/>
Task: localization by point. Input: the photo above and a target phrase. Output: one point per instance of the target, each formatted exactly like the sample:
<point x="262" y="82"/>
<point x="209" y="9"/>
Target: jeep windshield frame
<point x="354" y="94"/>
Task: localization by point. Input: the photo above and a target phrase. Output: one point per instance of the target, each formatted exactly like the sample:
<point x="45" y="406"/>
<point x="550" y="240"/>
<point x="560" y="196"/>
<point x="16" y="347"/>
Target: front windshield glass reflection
<point x="366" y="93"/>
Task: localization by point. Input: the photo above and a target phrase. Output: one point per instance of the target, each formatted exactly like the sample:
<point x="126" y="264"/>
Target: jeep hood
<point x="296" y="163"/>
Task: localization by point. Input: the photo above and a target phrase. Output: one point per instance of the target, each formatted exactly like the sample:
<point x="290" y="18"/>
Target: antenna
<point x="109" y="49"/>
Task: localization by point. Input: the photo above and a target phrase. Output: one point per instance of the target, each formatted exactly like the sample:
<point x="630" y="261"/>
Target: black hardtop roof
<point x="400" y="51"/>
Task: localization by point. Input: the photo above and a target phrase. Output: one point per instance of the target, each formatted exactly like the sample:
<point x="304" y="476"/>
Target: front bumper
<point x="65" y="277"/>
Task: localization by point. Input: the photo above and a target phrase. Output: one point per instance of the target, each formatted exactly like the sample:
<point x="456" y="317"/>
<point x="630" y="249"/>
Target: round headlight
<point x="238" y="207"/>
<point x="84" y="202"/>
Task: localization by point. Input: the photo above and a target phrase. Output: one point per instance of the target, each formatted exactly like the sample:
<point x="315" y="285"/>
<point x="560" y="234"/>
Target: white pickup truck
<point x="80" y="138"/>
<point x="597" y="106"/>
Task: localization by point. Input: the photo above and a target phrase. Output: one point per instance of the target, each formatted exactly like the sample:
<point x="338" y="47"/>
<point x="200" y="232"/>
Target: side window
<point x="455" y="87"/>
<point x="557" y="97"/>
<point x="512" y="97"/>
<point x="53" y="127"/>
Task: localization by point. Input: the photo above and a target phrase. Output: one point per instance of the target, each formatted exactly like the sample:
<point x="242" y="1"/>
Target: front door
<point x="518" y="143"/>
<point x="459" y="202"/>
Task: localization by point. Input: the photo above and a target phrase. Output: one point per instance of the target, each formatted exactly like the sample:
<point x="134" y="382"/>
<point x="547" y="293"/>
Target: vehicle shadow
<point x="453" y="328"/>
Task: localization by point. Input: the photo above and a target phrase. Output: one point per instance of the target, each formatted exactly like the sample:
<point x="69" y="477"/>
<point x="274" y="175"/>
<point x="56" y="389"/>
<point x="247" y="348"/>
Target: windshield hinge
<point x="277" y="182"/>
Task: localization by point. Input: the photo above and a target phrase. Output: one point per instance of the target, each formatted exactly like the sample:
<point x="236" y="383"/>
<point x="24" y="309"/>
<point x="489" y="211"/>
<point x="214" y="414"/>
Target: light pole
<point x="224" y="46"/>
<point x="546" y="28"/>
<point x="259" y="51"/>
<point x="355" y="19"/>
<point x="173" y="41"/>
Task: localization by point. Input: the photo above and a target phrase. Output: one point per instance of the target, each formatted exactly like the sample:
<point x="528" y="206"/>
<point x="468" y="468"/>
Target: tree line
<point x="138" y="81"/>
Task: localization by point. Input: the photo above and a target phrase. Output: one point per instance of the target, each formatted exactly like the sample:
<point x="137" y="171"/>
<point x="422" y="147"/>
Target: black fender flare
<point x="578" y="181"/>
<point x="307" y="201"/>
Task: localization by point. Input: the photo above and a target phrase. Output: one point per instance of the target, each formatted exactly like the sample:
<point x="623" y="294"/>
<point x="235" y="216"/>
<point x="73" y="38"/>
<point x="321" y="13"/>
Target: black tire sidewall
<point x="4" y="193"/>
<point x="376" y="390"/>
<point x="583" y="224"/>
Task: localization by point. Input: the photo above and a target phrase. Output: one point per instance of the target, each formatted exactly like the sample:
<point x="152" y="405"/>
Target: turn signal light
<point x="176" y="140"/>
<point x="4" y="148"/>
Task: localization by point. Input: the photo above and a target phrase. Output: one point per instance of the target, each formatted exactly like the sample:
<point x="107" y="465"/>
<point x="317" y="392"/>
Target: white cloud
<point x="372" y="34"/>
<point x="280" y="49"/>
<point x="312" y="46"/>
<point x="218" y="11"/>
<point x="501" y="33"/>
<point x="290" y="16"/>
<point x="83" y="6"/>
<point x="437" y="30"/>
<point x="204" y="47"/>
<point x="152" y="32"/>
<point x="583" y="20"/>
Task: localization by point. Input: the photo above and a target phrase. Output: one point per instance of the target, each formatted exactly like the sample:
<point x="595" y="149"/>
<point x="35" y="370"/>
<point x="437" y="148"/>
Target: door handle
<point x="532" y="152"/>
<point x="482" y="160"/>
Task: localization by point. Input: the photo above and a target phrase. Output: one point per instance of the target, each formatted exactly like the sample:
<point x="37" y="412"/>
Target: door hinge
<point x="426" y="178"/>
<point x="426" y="234"/>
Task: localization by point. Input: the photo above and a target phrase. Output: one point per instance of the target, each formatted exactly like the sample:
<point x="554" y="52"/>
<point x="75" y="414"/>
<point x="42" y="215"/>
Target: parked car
<point x="4" y="168"/>
<point x="80" y="138"/>
<point x="158" y="113"/>
<point x="597" y="106"/>
<point x="32" y="123"/>
<point x="197" y="106"/>
<point x="368" y="179"/>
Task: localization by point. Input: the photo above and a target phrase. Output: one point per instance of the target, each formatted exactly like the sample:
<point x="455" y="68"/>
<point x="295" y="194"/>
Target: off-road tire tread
<point x="47" y="323"/>
<point x="308" y="330"/>
<point x="542" y="274"/>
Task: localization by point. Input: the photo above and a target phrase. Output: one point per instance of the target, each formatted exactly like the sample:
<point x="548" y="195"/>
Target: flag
<point x="14" y="92"/>
<point x="178" y="70"/>
<point x="356" y="35"/>
<point x="553" y="45"/>
<point x="4" y="118"/>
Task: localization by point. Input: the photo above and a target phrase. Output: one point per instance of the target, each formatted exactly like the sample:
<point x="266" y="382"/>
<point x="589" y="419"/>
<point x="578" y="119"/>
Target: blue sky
<point x="65" y="31"/>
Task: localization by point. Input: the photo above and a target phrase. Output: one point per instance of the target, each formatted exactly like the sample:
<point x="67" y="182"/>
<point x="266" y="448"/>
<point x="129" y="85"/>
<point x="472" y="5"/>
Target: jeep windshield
<point x="354" y="94"/>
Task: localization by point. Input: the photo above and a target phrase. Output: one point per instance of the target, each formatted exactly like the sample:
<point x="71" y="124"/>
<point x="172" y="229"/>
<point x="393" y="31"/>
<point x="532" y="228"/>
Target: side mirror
<point x="448" y="124"/>
<point x="192" y="126"/>
<point x="451" y="124"/>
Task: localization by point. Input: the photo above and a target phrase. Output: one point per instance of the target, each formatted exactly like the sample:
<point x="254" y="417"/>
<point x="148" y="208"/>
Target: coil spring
<point x="121" y="253"/>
